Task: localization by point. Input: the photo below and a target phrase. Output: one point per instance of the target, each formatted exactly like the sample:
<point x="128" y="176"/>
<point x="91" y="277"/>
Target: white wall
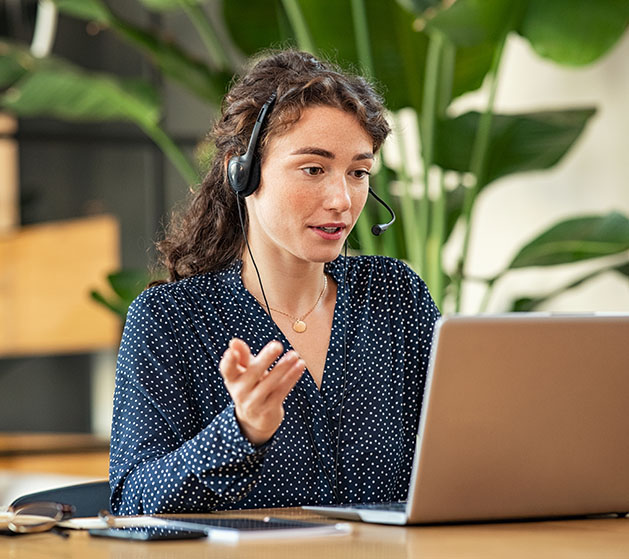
<point x="592" y="178"/>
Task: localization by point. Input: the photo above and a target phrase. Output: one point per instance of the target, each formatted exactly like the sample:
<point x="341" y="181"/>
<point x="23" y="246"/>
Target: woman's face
<point x="314" y="184"/>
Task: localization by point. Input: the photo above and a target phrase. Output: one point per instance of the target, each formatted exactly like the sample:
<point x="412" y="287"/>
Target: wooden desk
<point x="576" y="539"/>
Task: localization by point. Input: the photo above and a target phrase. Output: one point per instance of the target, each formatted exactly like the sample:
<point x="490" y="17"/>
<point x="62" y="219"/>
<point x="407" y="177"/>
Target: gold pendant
<point x="299" y="326"/>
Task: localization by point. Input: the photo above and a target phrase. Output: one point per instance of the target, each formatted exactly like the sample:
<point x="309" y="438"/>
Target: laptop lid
<point x="524" y="415"/>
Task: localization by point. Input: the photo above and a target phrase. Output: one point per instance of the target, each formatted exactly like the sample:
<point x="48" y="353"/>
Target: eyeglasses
<point x="34" y="517"/>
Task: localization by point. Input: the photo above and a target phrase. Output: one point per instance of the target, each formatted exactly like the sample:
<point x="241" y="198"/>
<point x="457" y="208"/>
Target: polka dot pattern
<point x="176" y="445"/>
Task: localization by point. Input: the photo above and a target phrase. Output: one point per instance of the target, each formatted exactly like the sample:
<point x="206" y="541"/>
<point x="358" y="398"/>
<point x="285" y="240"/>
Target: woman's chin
<point x="321" y="255"/>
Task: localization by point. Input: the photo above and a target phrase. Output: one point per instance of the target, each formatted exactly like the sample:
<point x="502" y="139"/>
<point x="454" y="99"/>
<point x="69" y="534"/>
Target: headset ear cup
<point x="254" y="177"/>
<point x="238" y="174"/>
<point x="243" y="175"/>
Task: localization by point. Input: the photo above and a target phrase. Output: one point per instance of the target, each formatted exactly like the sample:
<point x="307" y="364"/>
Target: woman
<point x="270" y="370"/>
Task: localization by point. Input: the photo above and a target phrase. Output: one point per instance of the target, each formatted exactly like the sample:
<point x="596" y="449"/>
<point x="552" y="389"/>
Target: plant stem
<point x="199" y="19"/>
<point x="436" y="237"/>
<point x="489" y="292"/>
<point x="478" y="164"/>
<point x="428" y="123"/>
<point x="410" y="224"/>
<point x="173" y="153"/>
<point x="299" y="25"/>
<point x="435" y="245"/>
<point x="361" y="34"/>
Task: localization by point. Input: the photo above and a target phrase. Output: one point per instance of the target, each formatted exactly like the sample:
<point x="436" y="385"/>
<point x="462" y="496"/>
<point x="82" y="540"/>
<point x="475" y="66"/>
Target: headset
<point x="243" y="171"/>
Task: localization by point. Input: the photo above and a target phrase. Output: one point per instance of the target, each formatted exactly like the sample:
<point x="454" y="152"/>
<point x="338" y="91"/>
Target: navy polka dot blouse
<point x="176" y="445"/>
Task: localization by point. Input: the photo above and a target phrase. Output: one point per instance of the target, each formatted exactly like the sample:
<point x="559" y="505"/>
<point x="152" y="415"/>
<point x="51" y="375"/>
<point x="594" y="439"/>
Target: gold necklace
<point x="299" y="325"/>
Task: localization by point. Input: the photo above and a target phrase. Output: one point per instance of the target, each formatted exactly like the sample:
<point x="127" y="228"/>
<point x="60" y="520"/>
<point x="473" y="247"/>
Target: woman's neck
<point x="291" y="287"/>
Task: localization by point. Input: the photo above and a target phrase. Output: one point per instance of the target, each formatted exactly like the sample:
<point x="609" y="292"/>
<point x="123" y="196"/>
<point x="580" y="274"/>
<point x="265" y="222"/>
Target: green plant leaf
<point x="576" y="239"/>
<point x="176" y="63"/>
<point x="60" y="90"/>
<point x="574" y="32"/>
<point x="254" y="24"/>
<point x="524" y="142"/>
<point x="623" y="269"/>
<point x="57" y="89"/>
<point x="471" y="66"/>
<point x="399" y="54"/>
<point x="12" y="65"/>
<point x="172" y="60"/>
<point x="474" y="27"/>
<point x="128" y="283"/>
<point x="398" y="51"/>
<point x="526" y="304"/>
<point x="92" y="10"/>
<point x="473" y="22"/>
<point x="116" y="307"/>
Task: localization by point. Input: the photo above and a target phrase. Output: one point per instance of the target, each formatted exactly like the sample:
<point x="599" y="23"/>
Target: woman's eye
<point x="312" y="171"/>
<point x="361" y="173"/>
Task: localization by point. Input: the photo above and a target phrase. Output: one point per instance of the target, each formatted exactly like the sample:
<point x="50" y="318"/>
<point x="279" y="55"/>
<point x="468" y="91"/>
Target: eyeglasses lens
<point x="36" y="517"/>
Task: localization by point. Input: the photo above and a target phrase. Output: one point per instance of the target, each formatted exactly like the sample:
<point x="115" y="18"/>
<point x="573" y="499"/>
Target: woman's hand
<point x="258" y="392"/>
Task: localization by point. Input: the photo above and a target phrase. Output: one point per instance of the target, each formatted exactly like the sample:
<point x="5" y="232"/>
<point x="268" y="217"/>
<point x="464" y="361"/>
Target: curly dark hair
<point x="207" y="237"/>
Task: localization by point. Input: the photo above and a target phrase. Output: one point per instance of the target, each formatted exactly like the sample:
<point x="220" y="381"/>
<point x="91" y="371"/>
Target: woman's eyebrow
<point x="314" y="151"/>
<point x="308" y="150"/>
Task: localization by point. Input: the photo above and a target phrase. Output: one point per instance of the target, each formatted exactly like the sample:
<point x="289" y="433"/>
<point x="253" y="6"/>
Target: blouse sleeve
<point x="162" y="457"/>
<point x="418" y="321"/>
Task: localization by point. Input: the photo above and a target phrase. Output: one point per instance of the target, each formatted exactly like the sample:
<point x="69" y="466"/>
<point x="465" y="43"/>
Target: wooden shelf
<point x="57" y="453"/>
<point x="46" y="274"/>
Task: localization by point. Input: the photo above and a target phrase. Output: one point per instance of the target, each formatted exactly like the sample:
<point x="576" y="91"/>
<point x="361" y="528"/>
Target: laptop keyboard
<point x="394" y="506"/>
<point x="243" y="524"/>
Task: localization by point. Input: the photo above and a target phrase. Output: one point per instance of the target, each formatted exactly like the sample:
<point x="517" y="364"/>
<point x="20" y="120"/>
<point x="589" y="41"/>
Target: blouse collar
<point x="232" y="274"/>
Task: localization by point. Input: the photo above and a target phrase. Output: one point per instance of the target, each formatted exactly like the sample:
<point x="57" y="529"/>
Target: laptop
<point x="524" y="416"/>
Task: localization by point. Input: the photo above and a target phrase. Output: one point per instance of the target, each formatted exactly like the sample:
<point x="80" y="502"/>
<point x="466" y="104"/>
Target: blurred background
<point x="508" y="170"/>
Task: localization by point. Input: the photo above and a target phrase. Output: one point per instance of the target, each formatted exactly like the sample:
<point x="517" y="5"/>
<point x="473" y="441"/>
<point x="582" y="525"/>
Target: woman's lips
<point x="329" y="231"/>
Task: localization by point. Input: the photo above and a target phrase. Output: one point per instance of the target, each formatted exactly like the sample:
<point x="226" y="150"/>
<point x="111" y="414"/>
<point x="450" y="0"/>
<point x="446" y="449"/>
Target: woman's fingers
<point x="242" y="351"/>
<point x="242" y="371"/>
<point x="260" y="364"/>
<point x="229" y="367"/>
<point x="286" y="383"/>
<point x="279" y="381"/>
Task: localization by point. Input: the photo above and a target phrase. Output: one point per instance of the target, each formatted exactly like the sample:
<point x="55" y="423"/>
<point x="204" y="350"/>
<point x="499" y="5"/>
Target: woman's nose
<point x="337" y="195"/>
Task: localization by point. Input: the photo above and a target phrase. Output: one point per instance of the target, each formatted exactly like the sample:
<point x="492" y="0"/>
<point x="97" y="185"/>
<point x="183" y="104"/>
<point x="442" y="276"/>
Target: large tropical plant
<point x="425" y="54"/>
